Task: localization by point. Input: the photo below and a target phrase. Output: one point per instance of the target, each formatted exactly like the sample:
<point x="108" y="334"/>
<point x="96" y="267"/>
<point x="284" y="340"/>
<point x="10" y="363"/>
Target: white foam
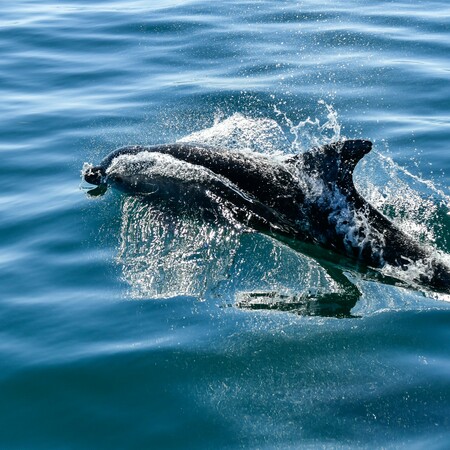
<point x="241" y="133"/>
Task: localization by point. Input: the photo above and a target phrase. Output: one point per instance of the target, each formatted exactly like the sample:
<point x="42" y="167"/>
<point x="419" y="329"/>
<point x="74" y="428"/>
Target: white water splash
<point x="166" y="253"/>
<point x="308" y="133"/>
<point x="241" y="133"/>
<point x="411" y="202"/>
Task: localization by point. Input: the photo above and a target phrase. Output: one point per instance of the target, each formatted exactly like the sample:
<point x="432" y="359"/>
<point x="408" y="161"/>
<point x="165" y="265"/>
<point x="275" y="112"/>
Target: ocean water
<point x="119" y="325"/>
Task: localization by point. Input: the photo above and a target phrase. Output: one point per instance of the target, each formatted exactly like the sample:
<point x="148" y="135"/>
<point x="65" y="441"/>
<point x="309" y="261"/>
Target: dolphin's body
<point x="309" y="197"/>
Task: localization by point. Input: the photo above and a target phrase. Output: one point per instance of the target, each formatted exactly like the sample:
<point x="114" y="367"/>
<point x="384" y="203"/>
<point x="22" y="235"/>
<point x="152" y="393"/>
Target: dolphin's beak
<point x="94" y="175"/>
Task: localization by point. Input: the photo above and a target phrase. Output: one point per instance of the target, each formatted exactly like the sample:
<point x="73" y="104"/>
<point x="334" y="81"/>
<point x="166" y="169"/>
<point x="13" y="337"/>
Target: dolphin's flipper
<point x="332" y="304"/>
<point x="325" y="304"/>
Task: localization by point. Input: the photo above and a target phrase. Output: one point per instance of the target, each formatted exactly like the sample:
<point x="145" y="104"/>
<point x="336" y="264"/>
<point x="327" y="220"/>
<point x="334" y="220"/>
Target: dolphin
<point x="309" y="198"/>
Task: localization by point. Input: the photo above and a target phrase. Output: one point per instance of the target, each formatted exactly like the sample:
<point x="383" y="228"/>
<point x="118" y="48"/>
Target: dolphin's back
<point x="254" y="174"/>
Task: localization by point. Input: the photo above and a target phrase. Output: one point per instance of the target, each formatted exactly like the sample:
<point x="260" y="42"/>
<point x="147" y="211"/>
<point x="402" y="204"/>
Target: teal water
<point x="118" y="330"/>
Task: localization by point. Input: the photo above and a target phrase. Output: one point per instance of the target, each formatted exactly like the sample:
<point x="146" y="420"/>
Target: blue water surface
<point x="94" y="352"/>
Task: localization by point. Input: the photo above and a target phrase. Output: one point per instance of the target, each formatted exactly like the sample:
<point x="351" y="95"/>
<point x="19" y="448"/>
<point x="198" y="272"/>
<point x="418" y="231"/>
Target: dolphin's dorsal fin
<point x="334" y="163"/>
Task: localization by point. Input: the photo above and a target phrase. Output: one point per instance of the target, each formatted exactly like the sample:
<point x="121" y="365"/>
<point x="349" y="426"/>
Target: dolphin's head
<point x="136" y="170"/>
<point x="122" y="170"/>
<point x="97" y="175"/>
<point x="134" y="173"/>
<point x="94" y="175"/>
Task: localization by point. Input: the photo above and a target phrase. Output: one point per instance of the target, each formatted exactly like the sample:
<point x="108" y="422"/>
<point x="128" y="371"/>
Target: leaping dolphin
<point x="309" y="197"/>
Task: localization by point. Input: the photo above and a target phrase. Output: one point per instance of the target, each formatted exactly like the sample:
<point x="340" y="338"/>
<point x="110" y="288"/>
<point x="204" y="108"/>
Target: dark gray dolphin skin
<point x="309" y="198"/>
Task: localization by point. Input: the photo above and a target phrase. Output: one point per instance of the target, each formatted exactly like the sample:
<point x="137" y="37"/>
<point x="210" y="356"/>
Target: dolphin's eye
<point x="118" y="179"/>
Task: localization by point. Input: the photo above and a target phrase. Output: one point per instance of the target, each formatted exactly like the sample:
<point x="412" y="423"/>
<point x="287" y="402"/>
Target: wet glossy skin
<point x="277" y="198"/>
